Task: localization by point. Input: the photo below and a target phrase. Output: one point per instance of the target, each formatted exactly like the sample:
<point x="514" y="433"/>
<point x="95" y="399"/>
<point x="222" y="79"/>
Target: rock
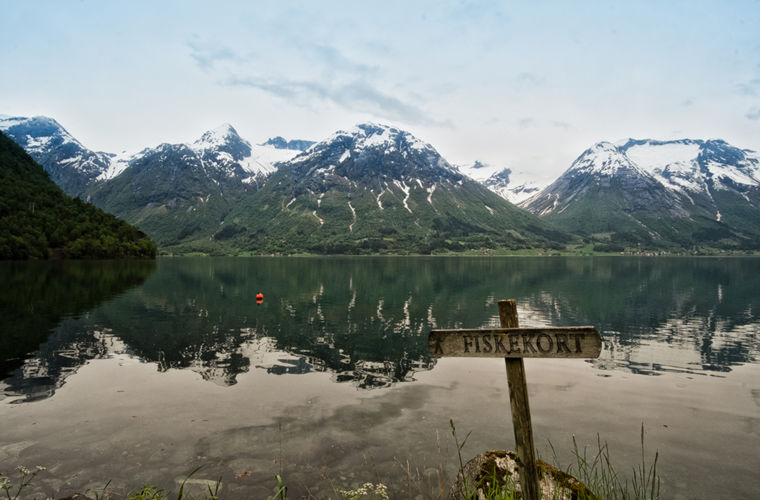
<point x="198" y="488"/>
<point x="500" y="468"/>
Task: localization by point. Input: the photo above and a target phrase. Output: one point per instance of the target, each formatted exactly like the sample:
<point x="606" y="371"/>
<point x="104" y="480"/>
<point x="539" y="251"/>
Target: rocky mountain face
<point x="172" y="191"/>
<point x="645" y="192"/>
<point x="69" y="164"/>
<point x="76" y="168"/>
<point x="294" y="144"/>
<point x="376" y="188"/>
<point x="370" y="189"/>
<point x="714" y="179"/>
<point x="224" y="152"/>
<point x="179" y="191"/>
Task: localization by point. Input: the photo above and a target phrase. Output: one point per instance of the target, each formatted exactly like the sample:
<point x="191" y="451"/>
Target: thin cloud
<point x="355" y="96"/>
<point x="750" y="88"/>
<point x="279" y="88"/>
<point x="348" y="85"/>
<point x="360" y="94"/>
<point x="753" y="113"/>
<point x="526" y="122"/>
<point x="336" y="61"/>
<point x="207" y="56"/>
<point x="527" y="80"/>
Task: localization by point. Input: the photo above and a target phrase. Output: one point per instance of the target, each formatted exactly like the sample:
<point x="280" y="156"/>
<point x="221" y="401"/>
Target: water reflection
<point x="656" y="315"/>
<point x="365" y="320"/>
<point x="36" y="296"/>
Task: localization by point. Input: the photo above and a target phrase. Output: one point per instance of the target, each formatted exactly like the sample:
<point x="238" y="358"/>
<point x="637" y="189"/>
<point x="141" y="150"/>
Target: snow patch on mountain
<point x="213" y="139"/>
<point x="225" y="150"/>
<point x="320" y="219"/>
<point x="654" y="156"/>
<point x="726" y="172"/>
<point x="479" y="171"/>
<point x="67" y="161"/>
<point x="406" y="190"/>
<point x="353" y="214"/>
<point x="694" y="166"/>
<point x="8" y="121"/>
<point x="605" y="159"/>
<point x="514" y="186"/>
<point x="430" y="191"/>
<point x="366" y="137"/>
<point x="264" y="159"/>
<point x="38" y="134"/>
<point x="118" y="163"/>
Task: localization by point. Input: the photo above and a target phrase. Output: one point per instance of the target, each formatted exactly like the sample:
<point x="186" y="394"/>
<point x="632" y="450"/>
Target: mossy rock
<point x="501" y="469"/>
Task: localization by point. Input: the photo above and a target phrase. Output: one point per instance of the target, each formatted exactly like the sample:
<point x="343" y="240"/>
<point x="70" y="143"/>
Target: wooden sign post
<point x="513" y="344"/>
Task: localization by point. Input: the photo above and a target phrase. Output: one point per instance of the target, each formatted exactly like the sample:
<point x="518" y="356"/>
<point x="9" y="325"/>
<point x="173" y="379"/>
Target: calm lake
<point x="140" y="372"/>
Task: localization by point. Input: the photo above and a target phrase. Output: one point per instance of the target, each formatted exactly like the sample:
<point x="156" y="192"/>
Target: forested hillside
<point x="39" y="221"/>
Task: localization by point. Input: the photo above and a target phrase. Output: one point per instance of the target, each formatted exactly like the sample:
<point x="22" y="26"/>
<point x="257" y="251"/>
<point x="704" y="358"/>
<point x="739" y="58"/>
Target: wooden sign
<point x="569" y="342"/>
<point x="513" y="343"/>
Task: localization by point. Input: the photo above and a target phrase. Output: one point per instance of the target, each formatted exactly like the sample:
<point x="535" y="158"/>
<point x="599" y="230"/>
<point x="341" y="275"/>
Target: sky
<point x="526" y="85"/>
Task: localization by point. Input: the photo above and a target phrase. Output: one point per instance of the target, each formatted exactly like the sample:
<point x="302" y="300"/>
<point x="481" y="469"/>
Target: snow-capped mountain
<point x="374" y="188"/>
<point x="599" y="170"/>
<point x="220" y="155"/>
<point x="224" y="150"/>
<point x="690" y="166"/>
<point x="70" y="165"/>
<point x="514" y="187"/>
<point x="682" y="192"/>
<point x="175" y="191"/>
<point x="378" y="152"/>
<point x="381" y="187"/>
<point x="221" y="152"/>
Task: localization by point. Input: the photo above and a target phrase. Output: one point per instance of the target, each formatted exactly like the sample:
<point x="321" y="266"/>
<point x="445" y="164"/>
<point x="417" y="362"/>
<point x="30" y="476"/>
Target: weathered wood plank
<point x="561" y="342"/>
<point x="518" y="401"/>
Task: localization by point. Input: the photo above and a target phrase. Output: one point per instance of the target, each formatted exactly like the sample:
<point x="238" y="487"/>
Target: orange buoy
<point x="259" y="298"/>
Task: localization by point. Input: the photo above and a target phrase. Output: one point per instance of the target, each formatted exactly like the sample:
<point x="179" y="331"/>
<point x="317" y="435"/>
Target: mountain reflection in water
<point x="39" y="302"/>
<point x="366" y="319"/>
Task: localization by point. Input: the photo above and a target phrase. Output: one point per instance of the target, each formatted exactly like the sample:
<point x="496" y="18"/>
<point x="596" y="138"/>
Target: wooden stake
<point x="518" y="401"/>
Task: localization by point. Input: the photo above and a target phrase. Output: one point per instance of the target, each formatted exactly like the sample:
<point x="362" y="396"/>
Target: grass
<point x="592" y="467"/>
<point x="599" y="480"/>
<point x="597" y="472"/>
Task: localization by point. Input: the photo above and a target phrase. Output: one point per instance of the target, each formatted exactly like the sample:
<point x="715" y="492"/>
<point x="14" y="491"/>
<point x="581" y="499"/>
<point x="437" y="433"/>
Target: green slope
<point x="630" y="211"/>
<point x="38" y="221"/>
<point x="170" y="196"/>
<point x="293" y="214"/>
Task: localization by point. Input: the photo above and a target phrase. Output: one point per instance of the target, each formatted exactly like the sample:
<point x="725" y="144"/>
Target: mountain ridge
<point x="76" y="168"/>
<point x="378" y="189"/>
<point x="671" y="193"/>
